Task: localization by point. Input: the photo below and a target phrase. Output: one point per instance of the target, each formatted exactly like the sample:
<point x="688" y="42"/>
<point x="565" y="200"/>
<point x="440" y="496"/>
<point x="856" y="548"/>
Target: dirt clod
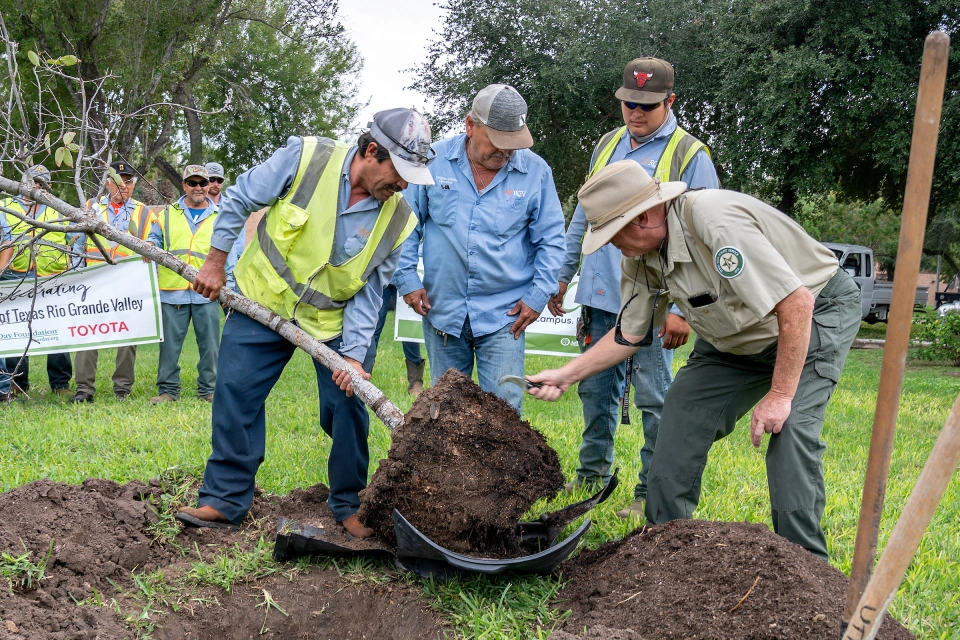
<point x="462" y="469"/>
<point x="683" y="578"/>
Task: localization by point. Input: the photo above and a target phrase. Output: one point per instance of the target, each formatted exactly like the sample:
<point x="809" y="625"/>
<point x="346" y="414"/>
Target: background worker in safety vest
<point x="185" y="228"/>
<point x="118" y="209"/>
<point x="6" y="255"/>
<point x="323" y="253"/>
<point x="40" y="260"/>
<point x="652" y="138"/>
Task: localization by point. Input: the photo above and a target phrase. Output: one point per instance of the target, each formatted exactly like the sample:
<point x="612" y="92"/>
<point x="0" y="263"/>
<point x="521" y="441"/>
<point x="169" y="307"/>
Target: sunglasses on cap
<point x="217" y="180"/>
<point x="195" y="183"/>
<point x="642" y="107"/>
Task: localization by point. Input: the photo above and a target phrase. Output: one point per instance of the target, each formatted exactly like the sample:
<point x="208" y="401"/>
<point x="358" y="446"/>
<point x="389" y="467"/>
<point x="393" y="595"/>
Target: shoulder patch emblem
<point x="728" y="261"/>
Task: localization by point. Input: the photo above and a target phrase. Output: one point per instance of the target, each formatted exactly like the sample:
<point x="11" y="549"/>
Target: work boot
<point x="81" y="396"/>
<point x="205" y="516"/>
<point x="207" y="398"/>
<point x="63" y="392"/>
<point x="414" y="378"/>
<point x="355" y="528"/>
<point x="635" y="510"/>
<point x="163" y="397"/>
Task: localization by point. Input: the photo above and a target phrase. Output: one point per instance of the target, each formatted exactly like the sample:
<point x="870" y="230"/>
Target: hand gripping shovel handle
<point x="367" y="392"/>
<point x="906" y="536"/>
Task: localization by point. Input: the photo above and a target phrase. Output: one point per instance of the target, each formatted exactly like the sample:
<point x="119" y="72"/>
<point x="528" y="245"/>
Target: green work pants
<point x="715" y="389"/>
<point x="206" y="328"/>
<point x="85" y="367"/>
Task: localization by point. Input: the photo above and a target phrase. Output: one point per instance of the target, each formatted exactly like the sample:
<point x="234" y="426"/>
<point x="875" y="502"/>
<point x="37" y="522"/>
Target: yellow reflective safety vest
<point x="45" y="259"/>
<point x="287" y="268"/>
<point x="681" y="148"/>
<point x="178" y="239"/>
<point x="140" y="220"/>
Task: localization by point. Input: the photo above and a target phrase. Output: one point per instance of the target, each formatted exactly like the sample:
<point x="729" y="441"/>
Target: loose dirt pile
<point x="100" y="542"/>
<point x="462" y="469"/>
<point x="684" y="579"/>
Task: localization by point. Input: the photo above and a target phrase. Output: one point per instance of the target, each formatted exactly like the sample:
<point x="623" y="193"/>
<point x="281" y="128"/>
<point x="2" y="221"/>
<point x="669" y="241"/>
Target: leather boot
<point x="414" y="378"/>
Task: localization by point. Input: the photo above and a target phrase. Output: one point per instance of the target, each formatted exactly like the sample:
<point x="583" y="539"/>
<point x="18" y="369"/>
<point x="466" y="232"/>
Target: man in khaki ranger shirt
<point x="774" y="315"/>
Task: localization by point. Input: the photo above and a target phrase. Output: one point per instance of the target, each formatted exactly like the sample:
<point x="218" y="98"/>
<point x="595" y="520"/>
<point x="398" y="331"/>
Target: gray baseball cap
<point x="40" y="172"/>
<point x="504" y="112"/>
<point x="406" y="135"/>
<point x="215" y="170"/>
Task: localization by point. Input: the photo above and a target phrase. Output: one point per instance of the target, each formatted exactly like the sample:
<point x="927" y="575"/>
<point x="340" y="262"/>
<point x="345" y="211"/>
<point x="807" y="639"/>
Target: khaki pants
<point x="85" y="367"/>
<point x="715" y="389"/>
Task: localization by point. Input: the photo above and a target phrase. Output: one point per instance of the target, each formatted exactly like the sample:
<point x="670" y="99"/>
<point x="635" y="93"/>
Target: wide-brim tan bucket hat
<point x="617" y="194"/>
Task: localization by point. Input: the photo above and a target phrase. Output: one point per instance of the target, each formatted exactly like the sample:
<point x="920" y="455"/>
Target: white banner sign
<point x="547" y="336"/>
<point x="93" y="308"/>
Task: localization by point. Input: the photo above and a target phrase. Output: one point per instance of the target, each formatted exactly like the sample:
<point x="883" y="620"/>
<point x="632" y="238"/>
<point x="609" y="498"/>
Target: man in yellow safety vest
<point x="651" y="137"/>
<point x="29" y="260"/>
<point x="185" y="228"/>
<point x="121" y="211"/>
<point x="322" y="255"/>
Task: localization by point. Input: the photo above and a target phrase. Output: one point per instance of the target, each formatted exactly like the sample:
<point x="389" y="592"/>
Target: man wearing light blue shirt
<point x="650" y="137"/>
<point x="186" y="228"/>
<point x="492" y="234"/>
<point x="321" y="256"/>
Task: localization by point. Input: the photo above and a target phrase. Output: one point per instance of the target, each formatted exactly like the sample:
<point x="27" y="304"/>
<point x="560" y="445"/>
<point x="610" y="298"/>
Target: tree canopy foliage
<point x="795" y="98"/>
<point x="199" y="80"/>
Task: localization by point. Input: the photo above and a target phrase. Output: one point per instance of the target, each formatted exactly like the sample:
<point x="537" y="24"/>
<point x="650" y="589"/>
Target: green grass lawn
<point x="47" y="437"/>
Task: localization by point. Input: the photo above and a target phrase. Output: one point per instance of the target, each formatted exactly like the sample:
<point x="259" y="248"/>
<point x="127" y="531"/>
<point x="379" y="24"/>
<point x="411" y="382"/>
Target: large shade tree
<point x="162" y="61"/>
<point x="794" y="98"/>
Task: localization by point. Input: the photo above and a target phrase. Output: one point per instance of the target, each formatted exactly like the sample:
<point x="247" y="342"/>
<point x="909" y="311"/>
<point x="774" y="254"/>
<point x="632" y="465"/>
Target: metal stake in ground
<point x="371" y="395"/>
<point x="906" y="536"/>
<point x="923" y="150"/>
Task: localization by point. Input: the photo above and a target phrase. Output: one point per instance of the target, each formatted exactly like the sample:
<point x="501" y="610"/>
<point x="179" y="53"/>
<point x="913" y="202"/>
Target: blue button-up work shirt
<point x="482" y="253"/>
<point x="599" y="285"/>
<point x="264" y="184"/>
<point x="186" y="296"/>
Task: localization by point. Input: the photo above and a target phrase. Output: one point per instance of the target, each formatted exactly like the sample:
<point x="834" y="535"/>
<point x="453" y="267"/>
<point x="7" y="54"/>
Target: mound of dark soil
<point x="99" y="539"/>
<point x="684" y="579"/>
<point x="463" y="469"/>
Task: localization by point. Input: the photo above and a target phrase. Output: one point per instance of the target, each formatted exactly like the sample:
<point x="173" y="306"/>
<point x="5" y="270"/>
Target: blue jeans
<point x="5" y="378"/>
<point x="59" y="366"/>
<point x="411" y="350"/>
<point x="59" y="370"/>
<point x="497" y="354"/>
<point x="252" y="357"/>
<point x="652" y="376"/>
<point x="599" y="395"/>
<point x="206" y="328"/>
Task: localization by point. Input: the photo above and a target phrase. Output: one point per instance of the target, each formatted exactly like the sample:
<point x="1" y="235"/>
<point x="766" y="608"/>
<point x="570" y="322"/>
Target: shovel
<point x="523" y="383"/>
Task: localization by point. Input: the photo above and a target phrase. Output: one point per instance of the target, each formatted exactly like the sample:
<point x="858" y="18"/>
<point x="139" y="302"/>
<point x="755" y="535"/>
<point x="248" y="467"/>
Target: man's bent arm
<point x="794" y="314"/>
<point x="253" y="190"/>
<point x="546" y="236"/>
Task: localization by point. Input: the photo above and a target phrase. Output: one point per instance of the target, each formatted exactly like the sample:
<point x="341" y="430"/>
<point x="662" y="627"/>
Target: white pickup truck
<point x="858" y="262"/>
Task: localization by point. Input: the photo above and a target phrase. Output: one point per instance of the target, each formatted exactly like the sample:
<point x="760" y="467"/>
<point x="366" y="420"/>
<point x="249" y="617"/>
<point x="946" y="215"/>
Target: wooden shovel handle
<point x="923" y="150"/>
<point x="906" y="536"/>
